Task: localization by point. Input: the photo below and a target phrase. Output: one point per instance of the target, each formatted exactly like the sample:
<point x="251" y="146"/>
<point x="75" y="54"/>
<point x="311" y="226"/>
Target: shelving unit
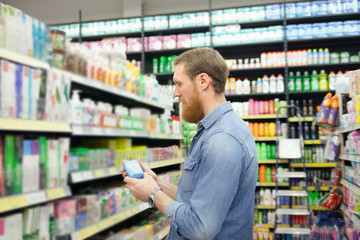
<point x="262" y="116"/>
<point x="313" y="165"/>
<point x="349" y="157"/>
<point x="13" y="202"/>
<point x="15" y="124"/>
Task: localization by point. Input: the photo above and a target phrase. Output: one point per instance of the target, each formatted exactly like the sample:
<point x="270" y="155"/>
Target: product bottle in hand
<point x="334" y="109"/>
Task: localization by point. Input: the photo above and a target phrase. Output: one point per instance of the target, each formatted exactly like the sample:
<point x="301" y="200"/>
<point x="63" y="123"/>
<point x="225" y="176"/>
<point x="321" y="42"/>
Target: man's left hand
<point x="141" y="188"/>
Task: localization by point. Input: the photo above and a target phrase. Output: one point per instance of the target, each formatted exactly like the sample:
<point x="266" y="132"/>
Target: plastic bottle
<point x="273" y="84"/>
<point x="262" y="193"/>
<point x="256" y="129"/>
<point x="332" y="80"/>
<point x="76" y="108"/>
<point x="326" y="56"/>
<point x="334" y="109"/>
<point x="321" y="56"/>
<point x="259" y="85"/>
<point x="268" y="174"/>
<point x="246" y="86"/>
<point x="273" y="173"/>
<point x="267" y="197"/>
<point x="340" y="82"/>
<point x="265" y="84"/>
<point x="262" y="131"/>
<point x="267" y="134"/>
<point x="279" y="83"/>
<point x="315" y="56"/>
<point x="306" y="131"/>
<point x="306" y="81"/>
<point x="273" y="194"/>
<point x="298" y="82"/>
<point x="272" y="129"/>
<point x="305" y="108"/>
<point x="323" y="115"/>
<point x="291" y="84"/>
<point x="232" y="85"/>
<point x="238" y="87"/>
<point x="314" y="81"/>
<point x="263" y="154"/>
<point x="253" y="86"/>
<point x="309" y="57"/>
<point x="323" y="81"/>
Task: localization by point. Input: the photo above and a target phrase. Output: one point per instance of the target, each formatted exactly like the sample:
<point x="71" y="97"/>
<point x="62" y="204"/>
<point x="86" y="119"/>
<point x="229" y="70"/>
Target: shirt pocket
<point x="188" y="174"/>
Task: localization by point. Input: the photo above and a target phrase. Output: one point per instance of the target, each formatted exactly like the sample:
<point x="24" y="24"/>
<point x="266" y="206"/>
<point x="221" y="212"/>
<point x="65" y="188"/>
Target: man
<point x="215" y="196"/>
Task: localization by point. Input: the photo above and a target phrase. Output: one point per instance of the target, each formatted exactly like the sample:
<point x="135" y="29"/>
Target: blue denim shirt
<point x="215" y="196"/>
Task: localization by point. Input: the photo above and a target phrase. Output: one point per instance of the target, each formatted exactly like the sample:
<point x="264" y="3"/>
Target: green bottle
<point x="323" y="81"/>
<point x="314" y="81"/>
<point x="291" y="84"/>
<point x="306" y="82"/>
<point x="298" y="82"/>
<point x="268" y="152"/>
<point x="258" y="150"/>
<point x="268" y="174"/>
<point x="263" y="150"/>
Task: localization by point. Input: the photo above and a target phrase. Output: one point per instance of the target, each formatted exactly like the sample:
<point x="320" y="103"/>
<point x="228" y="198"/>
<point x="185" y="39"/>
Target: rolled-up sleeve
<point x="215" y="185"/>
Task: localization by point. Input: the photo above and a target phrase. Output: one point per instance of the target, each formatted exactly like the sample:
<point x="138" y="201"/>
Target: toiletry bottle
<point x="238" y="87"/>
<point x="265" y="84"/>
<point x="323" y="81"/>
<point x="291" y="84"/>
<point x="332" y="80"/>
<point x="334" y="109"/>
<point x="314" y="81"/>
<point x="298" y="81"/>
<point x="280" y="83"/>
<point x="76" y="108"/>
<point x="306" y="81"/>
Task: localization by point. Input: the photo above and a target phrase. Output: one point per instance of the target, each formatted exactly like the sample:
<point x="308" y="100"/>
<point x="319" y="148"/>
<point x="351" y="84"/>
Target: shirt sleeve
<point x="221" y="163"/>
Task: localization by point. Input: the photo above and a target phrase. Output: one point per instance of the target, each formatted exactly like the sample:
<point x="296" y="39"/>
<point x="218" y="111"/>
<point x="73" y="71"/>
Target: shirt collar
<point x="214" y="115"/>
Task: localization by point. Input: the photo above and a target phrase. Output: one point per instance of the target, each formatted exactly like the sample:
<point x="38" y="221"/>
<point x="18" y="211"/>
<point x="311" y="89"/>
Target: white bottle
<point x="246" y="86"/>
<point x="265" y="84"/>
<point x="273" y="84"/>
<point x="346" y="79"/>
<point x="262" y="193"/>
<point x="76" y="108"/>
<point x="339" y="82"/>
<point x="238" y="87"/>
<point x="273" y="194"/>
<point x="267" y="197"/>
<point x="280" y="83"/>
<point x="332" y="80"/>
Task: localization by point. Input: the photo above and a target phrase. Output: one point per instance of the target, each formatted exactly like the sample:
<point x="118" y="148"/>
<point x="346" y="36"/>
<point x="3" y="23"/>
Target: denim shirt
<point x="215" y="196"/>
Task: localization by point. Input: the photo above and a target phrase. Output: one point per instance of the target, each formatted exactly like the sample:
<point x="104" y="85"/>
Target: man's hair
<point x="205" y="60"/>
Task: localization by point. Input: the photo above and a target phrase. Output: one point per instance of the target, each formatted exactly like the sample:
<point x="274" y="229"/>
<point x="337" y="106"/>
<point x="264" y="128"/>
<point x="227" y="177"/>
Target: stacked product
<point x="259" y="107"/>
<point x="163" y="64"/>
<point x="267" y="129"/>
<point x="29" y="164"/>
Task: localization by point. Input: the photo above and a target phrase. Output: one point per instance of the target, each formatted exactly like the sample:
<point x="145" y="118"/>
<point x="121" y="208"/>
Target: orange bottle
<point x="325" y="109"/>
<point x="256" y="129"/>
<point x="251" y="126"/>
<point x="261" y="129"/>
<point x="262" y="173"/>
<point x="272" y="131"/>
<point x="334" y="109"/>
<point x="267" y="132"/>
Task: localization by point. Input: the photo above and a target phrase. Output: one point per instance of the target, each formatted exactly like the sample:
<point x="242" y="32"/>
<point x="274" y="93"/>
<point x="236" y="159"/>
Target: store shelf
<point x="88" y="175"/>
<point x="325" y="17"/>
<point x="354" y="218"/>
<point x="353" y="187"/>
<point x="272" y="184"/>
<point x="350" y="129"/>
<point x="292" y="193"/>
<point x="326" y="65"/>
<point x="290" y="211"/>
<point x="108" y="222"/>
<point x="326" y="125"/>
<point x="261" y="116"/>
<point x="311" y="92"/>
<point x="350" y="157"/>
<point x="14" y="202"/>
<point x="313" y="165"/>
<point x="272" y="161"/>
<point x="260" y="225"/>
<point x="80" y="130"/>
<point x="265" y="206"/>
<point x="160" y="235"/>
<point x="15" y="124"/>
<point x="165" y="163"/>
<point x="312" y="142"/>
<point x="291" y="175"/>
<point x="302" y="119"/>
<point x="254" y="95"/>
<point x="23" y="59"/>
<point x="166" y="51"/>
<point x="292" y="230"/>
<point x="115" y="91"/>
<point x="328" y="40"/>
<point x="311" y="188"/>
<point x="262" y="139"/>
<point x="249" y="44"/>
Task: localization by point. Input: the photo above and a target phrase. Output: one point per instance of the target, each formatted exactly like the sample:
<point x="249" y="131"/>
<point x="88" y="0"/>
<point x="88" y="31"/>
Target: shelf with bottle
<point x="24" y="125"/>
<point x="313" y="165"/>
<point x="267" y="139"/>
<point x="311" y="188"/>
<point x="272" y="161"/>
<point x="272" y="184"/>
<point x="260" y="116"/>
<point x="23" y="200"/>
<point x="302" y="119"/>
<point x="312" y="142"/>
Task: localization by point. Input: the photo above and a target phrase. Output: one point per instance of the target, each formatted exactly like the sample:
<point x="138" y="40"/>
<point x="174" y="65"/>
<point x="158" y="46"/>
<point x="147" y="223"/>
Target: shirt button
<point x="195" y="138"/>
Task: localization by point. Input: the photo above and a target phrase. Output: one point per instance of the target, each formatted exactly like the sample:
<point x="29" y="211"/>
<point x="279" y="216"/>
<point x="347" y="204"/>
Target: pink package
<point x="169" y="42"/>
<point x="184" y="41"/>
<point x="155" y="43"/>
<point x="65" y="209"/>
<point x="134" y="44"/>
<point x="146" y="45"/>
<point x="121" y="43"/>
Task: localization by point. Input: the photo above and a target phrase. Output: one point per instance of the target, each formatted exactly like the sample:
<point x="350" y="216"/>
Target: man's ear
<point x="204" y="80"/>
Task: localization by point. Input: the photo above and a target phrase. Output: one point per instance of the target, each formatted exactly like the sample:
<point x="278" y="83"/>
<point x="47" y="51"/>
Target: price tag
<point x="76" y="177"/>
<point x="143" y="206"/>
<point x="113" y="171"/>
<point x="99" y="173"/>
<point x="4" y="204"/>
<point x="88" y="231"/>
<point x="96" y="130"/>
<point x="55" y="193"/>
<point x="36" y="197"/>
<point x="87" y="175"/>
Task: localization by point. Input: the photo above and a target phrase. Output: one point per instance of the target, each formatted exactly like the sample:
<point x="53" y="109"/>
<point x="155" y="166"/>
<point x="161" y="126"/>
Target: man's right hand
<point x="144" y="168"/>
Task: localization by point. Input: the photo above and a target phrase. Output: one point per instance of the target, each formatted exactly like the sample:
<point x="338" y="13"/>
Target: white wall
<point x="66" y="11"/>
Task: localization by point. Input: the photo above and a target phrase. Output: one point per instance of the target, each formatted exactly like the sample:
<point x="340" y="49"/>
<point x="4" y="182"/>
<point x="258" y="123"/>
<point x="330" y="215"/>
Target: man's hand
<point x="141" y="188"/>
<point x="144" y="168"/>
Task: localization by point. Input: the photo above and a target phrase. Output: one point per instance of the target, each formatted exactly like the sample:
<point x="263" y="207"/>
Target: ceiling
<point x="67" y="11"/>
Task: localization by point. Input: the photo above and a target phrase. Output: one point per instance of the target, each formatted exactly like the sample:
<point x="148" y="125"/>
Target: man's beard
<point x="192" y="109"/>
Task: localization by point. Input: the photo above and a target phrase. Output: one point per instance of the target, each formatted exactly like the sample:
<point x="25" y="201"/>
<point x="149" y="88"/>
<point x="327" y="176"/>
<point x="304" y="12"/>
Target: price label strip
<point x="36" y="197"/>
<point x="10" y="203"/>
<point x="55" y="193"/>
<point x="88" y="231"/>
<point x="99" y="173"/>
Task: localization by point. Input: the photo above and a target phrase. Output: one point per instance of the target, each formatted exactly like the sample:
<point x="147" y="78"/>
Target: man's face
<point x="188" y="93"/>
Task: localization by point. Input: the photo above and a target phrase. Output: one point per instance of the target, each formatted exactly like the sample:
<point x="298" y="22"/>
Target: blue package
<point x="133" y="169"/>
<point x="322" y="29"/>
<point x="292" y="32"/>
<point x="351" y="28"/>
<point x="290" y="10"/>
<point x="335" y="29"/>
<point x="335" y="7"/>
